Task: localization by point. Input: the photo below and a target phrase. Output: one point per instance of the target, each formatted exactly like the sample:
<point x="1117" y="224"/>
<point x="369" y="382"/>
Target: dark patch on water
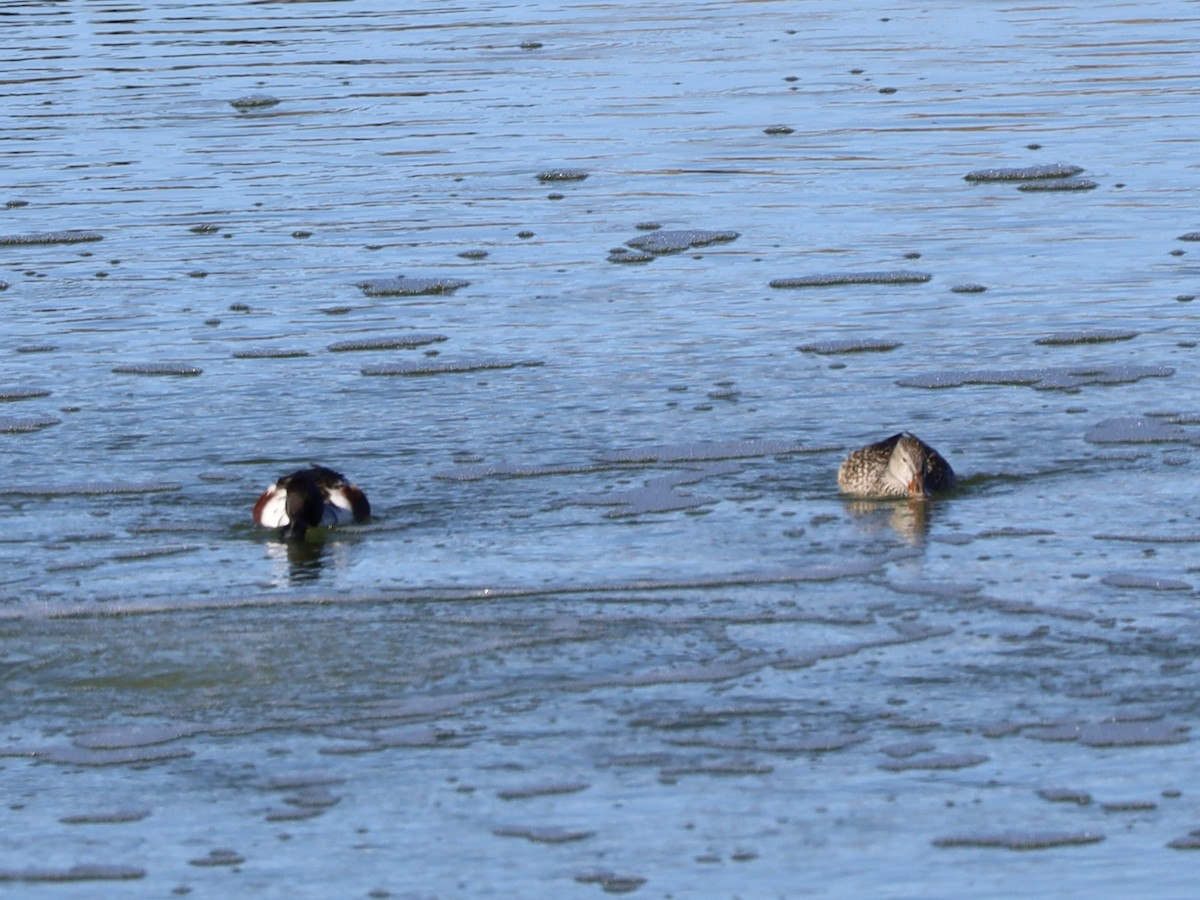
<point x="168" y="369"/>
<point x="1190" y="236"/>
<point x="153" y="553"/>
<point x="625" y="255"/>
<point x="300" y="782"/>
<point x="116" y="817"/>
<point x="400" y="342"/>
<point x="1014" y="531"/>
<point x="1129" y="806"/>
<point x="24" y="424"/>
<point x="1025" y="173"/>
<point x="938" y="761"/>
<point x="268" y="353"/>
<point x="89" y="489"/>
<point x="1087" y="336"/>
<point x="1151" y="538"/>
<point x="864" y="345"/>
<point x="1070" y="184"/>
<point x="1065" y="795"/>
<point x="1047" y="378"/>
<point x="290" y="814"/>
<point x="50" y="237"/>
<point x="1144" y="582"/>
<point x="720" y="768"/>
<point x="446" y="368"/>
<point x="139" y="756"/>
<point x="82" y="872"/>
<point x="403" y="286"/>
<point x="254" y="101"/>
<point x="778" y="129"/>
<point x="562" y="175"/>
<point x="661" y="243"/>
<point x="221" y="856"/>
<point x="834" y="279"/>
<point x="1021" y="840"/>
<point x="1135" y="430"/>
<point x="1112" y="733"/>
<point x="7" y="394"/>
<point x="543" y="834"/>
<point x="611" y="882"/>
<point x="802" y="746"/>
<point x="906" y="749"/>
<point x="542" y="790"/>
<point x="970" y="288"/>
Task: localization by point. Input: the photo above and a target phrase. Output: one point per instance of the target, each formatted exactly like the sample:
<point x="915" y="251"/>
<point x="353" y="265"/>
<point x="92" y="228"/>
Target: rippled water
<point x="592" y="300"/>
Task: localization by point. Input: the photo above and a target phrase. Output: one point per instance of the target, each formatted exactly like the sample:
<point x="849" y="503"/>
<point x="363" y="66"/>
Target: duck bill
<point x="916" y="487"/>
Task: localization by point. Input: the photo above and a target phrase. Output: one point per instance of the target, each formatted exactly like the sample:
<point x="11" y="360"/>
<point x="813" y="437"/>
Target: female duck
<point x="900" y="466"/>
<point x="308" y="498"/>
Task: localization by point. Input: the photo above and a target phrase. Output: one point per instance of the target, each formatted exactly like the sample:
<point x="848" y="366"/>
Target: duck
<point x="902" y="465"/>
<point x="308" y="498"/>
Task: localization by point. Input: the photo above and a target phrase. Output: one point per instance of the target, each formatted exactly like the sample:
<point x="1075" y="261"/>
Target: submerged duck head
<point x="304" y="504"/>
<point x="308" y="498"/>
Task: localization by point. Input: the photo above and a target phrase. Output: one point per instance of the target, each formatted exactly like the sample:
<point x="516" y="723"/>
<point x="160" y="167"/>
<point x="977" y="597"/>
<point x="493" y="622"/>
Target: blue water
<point x="611" y="628"/>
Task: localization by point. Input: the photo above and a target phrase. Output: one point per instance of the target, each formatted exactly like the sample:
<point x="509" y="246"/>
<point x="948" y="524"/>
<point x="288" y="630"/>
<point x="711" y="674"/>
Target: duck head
<point x="909" y="466"/>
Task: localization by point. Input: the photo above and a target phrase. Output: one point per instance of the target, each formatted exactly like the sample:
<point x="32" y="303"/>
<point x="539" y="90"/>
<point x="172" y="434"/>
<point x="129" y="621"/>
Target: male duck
<point x="308" y="498"/>
<point x="900" y="466"/>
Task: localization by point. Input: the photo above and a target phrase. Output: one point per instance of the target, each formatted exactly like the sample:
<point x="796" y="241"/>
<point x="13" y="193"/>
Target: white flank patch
<point x="274" y="511"/>
<point x="337" y="508"/>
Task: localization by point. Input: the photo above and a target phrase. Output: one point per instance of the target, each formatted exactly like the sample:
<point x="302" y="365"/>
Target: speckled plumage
<point x="900" y="466"/>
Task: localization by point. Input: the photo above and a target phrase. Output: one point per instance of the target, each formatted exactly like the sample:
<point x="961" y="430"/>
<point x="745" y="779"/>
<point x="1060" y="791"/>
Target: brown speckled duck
<point x="900" y="466"/>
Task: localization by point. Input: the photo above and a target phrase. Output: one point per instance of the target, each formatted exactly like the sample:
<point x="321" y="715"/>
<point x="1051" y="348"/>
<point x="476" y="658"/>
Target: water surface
<point x="611" y="628"/>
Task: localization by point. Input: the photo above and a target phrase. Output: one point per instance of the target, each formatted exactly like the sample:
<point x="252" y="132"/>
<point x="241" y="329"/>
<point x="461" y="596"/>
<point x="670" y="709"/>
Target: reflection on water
<point x="303" y="558"/>
<point x="614" y="627"/>
<point x="908" y="519"/>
